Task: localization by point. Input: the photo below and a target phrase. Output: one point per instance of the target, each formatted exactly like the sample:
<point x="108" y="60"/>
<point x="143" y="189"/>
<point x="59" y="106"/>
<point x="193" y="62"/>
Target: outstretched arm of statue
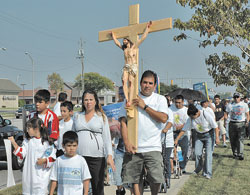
<point x="144" y="36"/>
<point x="115" y="40"/>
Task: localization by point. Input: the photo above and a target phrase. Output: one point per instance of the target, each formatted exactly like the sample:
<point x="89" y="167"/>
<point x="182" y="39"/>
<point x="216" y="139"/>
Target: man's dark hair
<point x="70" y="137"/>
<point x="217" y="96"/>
<point x="62" y="97"/>
<point x="149" y="73"/>
<point x="192" y="110"/>
<point x="125" y="46"/>
<point x="42" y="95"/>
<point x="68" y="105"/>
<point x="178" y="97"/>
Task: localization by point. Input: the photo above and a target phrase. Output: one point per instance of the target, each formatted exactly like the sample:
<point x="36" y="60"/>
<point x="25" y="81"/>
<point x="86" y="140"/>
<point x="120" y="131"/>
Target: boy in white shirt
<point x="65" y="124"/>
<point x="70" y="171"/>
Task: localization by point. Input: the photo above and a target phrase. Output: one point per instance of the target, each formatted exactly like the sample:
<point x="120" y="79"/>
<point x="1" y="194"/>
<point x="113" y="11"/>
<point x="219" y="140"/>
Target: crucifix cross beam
<point x="132" y="32"/>
<point x="135" y="28"/>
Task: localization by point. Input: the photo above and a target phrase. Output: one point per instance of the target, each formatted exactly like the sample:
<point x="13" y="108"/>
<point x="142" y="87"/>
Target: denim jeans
<point x="236" y="135"/>
<point x="204" y="140"/>
<point x="118" y="164"/>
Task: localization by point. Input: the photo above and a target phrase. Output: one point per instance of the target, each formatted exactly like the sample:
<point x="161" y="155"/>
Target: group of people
<point x="71" y="150"/>
<point x="67" y="151"/>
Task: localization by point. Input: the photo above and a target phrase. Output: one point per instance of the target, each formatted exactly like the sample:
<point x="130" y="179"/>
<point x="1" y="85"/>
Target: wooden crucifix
<point x="132" y="32"/>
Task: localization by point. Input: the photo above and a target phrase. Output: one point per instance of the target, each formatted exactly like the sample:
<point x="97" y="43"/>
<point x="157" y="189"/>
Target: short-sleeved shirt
<point x="180" y="115"/>
<point x="57" y="109"/>
<point x="169" y="142"/>
<point x="63" y="127"/>
<point x="204" y="123"/>
<point x="237" y="111"/>
<point x="219" y="111"/>
<point x="70" y="174"/>
<point x="149" y="130"/>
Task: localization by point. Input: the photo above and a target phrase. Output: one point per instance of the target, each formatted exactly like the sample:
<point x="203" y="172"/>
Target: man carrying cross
<point x="131" y="67"/>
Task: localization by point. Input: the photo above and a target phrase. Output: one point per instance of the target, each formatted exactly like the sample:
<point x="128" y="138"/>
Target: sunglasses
<point x="236" y="96"/>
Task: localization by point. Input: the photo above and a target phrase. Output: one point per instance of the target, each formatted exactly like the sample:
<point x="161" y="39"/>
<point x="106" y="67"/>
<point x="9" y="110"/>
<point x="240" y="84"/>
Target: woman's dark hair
<point x="35" y="123"/>
<point x="192" y="110"/>
<point x="125" y="46"/>
<point x="98" y="107"/>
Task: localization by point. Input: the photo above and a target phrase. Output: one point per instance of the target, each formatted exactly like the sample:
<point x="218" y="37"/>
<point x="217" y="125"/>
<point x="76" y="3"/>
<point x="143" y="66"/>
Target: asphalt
<point x="176" y="184"/>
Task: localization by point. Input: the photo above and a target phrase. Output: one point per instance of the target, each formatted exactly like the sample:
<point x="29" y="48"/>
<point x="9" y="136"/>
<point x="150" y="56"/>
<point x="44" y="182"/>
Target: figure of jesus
<point x="131" y="67"/>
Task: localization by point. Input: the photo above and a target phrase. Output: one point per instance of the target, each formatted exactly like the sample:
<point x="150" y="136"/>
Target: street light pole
<point x="32" y="61"/>
<point x="23" y="91"/>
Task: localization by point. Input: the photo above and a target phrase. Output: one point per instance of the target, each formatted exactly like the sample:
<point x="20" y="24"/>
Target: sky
<point x="50" y="32"/>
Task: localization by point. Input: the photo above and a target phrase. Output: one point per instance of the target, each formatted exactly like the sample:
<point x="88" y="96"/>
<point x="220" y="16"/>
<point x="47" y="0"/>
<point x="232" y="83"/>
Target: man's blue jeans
<point x="204" y="140"/>
<point x="118" y="164"/>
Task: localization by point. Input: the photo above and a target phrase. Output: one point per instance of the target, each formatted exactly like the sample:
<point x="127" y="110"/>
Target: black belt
<point x="237" y="121"/>
<point x="205" y="132"/>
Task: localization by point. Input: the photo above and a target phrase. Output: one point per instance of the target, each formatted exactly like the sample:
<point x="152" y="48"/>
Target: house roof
<point x="7" y="85"/>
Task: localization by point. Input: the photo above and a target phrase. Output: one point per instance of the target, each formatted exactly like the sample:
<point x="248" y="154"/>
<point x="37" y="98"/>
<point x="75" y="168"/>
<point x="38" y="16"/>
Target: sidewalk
<point x="176" y="184"/>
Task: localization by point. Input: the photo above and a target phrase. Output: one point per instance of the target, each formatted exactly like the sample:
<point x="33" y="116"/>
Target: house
<point x="8" y="94"/>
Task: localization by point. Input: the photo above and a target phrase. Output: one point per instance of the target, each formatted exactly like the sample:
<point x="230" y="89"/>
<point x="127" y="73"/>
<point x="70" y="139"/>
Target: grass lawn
<point x="17" y="190"/>
<point x="230" y="176"/>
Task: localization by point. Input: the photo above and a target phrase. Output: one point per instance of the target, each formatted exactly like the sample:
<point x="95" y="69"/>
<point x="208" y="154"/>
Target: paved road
<point x="17" y="122"/>
<point x="3" y="175"/>
<point x="3" y="164"/>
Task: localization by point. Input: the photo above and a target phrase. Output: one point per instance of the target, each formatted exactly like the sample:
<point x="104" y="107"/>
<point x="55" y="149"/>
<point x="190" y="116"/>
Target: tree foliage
<point x="55" y="82"/>
<point x="221" y="22"/>
<point x="94" y="81"/>
<point x="165" y="89"/>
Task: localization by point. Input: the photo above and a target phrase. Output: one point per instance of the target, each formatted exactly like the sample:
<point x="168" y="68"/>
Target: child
<point x="70" y="171"/>
<point x="62" y="97"/>
<point x="65" y="124"/>
<point x="50" y="120"/>
<point x="39" y="157"/>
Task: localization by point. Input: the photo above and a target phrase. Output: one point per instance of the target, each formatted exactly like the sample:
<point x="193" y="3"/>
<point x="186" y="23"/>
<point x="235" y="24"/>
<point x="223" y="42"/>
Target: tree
<point x="94" y="81"/>
<point x="165" y="89"/>
<point x="219" y="22"/>
<point x="55" y="82"/>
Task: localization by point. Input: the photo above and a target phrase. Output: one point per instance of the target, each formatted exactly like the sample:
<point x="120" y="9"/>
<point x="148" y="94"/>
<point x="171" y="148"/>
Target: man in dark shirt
<point x="219" y="115"/>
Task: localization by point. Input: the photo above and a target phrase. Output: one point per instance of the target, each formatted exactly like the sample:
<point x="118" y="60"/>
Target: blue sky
<point x="50" y="31"/>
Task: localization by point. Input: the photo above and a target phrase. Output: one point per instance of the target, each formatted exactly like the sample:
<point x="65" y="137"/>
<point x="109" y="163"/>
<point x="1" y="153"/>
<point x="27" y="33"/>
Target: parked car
<point x="7" y="130"/>
<point x="28" y="107"/>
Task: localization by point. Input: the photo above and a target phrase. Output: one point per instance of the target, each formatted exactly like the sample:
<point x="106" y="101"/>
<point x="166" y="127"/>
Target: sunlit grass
<point x="230" y="176"/>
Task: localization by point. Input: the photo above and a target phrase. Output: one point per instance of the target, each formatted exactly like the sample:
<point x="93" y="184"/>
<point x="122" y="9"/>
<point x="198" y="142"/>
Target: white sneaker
<point x="224" y="145"/>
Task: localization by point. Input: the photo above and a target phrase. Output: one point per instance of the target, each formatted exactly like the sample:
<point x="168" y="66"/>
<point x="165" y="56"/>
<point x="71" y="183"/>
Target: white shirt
<point x="180" y="115"/>
<point x="149" y="130"/>
<point x="70" y="174"/>
<point x="94" y="135"/>
<point x="35" y="178"/>
<point x="237" y="111"/>
<point x="204" y="123"/>
<point x="57" y="109"/>
<point x="63" y="127"/>
<point x="169" y="135"/>
<point x="210" y="110"/>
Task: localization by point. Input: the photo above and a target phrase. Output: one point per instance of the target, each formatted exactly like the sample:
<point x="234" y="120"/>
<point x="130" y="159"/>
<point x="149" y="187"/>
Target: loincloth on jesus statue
<point x="131" y="69"/>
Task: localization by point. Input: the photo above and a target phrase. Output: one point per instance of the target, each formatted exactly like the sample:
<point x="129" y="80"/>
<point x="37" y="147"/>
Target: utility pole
<point x="81" y="57"/>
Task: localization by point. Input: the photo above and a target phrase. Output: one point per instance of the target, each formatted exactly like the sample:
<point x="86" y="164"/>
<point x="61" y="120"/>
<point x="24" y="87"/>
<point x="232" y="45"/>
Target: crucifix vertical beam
<point x="133" y="122"/>
<point x="132" y="32"/>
